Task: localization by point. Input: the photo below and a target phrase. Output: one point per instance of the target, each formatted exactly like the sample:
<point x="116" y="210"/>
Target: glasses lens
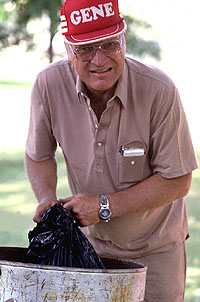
<point x="85" y="54"/>
<point x="111" y="48"/>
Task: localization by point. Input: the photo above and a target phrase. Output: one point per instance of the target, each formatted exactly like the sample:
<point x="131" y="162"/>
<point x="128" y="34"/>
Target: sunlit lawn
<point x="193" y="244"/>
<point x="17" y="206"/>
<point x="17" y="202"/>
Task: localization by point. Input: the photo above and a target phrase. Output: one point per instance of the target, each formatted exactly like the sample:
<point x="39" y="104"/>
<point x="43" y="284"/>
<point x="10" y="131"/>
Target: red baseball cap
<point x="86" y="21"/>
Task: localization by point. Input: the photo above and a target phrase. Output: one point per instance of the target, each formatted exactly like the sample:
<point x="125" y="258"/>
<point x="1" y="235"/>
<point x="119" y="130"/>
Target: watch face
<point x="104" y="214"/>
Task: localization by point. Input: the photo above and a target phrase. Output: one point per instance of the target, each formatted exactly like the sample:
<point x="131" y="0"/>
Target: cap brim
<point x="96" y="36"/>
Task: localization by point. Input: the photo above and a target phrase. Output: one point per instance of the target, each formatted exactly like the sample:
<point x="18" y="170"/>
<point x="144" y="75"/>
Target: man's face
<point x="102" y="72"/>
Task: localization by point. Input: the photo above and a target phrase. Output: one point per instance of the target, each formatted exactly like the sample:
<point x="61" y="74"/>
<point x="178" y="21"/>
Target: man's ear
<point x="69" y="51"/>
<point x="124" y="42"/>
<point x="125" y="36"/>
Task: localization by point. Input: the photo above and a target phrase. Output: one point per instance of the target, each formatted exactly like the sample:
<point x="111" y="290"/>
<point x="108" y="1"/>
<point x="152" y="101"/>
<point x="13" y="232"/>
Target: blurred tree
<point x="11" y="31"/>
<point x="14" y="28"/>
<point x="31" y="9"/>
<point x="3" y="29"/>
<point x="136" y="45"/>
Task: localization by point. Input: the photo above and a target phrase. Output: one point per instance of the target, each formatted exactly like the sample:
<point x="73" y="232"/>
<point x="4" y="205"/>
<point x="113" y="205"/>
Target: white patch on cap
<point x="64" y="30"/>
<point x="64" y="23"/>
<point x="63" y="18"/>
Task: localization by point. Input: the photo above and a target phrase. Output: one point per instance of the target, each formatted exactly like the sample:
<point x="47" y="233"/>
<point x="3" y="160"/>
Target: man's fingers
<point x="68" y="206"/>
<point x="38" y="214"/>
<point x="41" y="209"/>
<point x="65" y="200"/>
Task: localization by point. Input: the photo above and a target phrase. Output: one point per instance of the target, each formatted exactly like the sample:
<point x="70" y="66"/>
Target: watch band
<point x="104" y="212"/>
<point x="104" y="202"/>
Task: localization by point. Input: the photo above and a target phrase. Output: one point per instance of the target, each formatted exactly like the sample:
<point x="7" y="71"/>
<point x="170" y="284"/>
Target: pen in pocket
<point x="127" y="152"/>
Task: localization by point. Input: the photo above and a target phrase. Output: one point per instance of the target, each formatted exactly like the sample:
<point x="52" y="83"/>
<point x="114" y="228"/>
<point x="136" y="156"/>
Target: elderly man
<point x="125" y="139"/>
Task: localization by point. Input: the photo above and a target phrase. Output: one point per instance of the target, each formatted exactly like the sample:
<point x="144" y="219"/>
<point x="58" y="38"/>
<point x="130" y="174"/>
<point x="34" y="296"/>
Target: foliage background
<point x="175" y="26"/>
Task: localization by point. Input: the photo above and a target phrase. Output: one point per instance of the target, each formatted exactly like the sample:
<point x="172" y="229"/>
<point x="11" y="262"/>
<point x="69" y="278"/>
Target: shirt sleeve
<point x="41" y="144"/>
<point x="171" y="149"/>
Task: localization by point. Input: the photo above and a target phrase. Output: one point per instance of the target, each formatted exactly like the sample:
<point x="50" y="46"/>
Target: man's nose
<point x="99" y="58"/>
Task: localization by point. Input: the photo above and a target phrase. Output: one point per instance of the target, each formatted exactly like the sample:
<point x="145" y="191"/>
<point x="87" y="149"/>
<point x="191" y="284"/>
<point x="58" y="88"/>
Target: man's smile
<point x="101" y="70"/>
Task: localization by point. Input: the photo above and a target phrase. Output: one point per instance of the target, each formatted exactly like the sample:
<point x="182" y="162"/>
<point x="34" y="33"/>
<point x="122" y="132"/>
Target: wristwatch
<point x="104" y="212"/>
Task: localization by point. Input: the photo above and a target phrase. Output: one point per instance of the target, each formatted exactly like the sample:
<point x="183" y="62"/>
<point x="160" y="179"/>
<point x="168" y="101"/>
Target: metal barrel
<point x="123" y="280"/>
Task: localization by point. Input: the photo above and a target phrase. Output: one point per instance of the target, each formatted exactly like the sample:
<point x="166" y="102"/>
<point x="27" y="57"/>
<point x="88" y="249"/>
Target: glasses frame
<point x="95" y="48"/>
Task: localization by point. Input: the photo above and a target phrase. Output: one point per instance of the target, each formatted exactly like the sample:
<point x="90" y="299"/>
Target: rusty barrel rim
<point x="126" y="261"/>
<point x="5" y="263"/>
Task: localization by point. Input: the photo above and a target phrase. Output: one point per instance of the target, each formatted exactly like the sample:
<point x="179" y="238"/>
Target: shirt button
<point x="89" y="108"/>
<point x="132" y="162"/>
<point x="99" y="144"/>
<point x="96" y="126"/>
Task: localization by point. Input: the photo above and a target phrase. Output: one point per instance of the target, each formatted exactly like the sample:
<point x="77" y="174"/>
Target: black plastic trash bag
<point x="57" y="240"/>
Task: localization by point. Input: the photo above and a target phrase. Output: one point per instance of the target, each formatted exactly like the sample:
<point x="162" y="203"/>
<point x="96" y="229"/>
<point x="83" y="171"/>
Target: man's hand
<point x="84" y="206"/>
<point x="43" y="206"/>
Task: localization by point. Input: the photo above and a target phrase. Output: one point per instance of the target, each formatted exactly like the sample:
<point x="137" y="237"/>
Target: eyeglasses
<point x="87" y="53"/>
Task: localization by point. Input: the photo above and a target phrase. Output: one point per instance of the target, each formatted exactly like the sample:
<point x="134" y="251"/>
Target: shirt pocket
<point x="131" y="163"/>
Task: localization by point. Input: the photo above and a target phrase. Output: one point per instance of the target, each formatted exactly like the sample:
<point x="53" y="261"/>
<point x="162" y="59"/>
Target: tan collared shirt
<point x="144" y="116"/>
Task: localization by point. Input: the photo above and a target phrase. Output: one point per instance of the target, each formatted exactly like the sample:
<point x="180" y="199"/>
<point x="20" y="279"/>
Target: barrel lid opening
<point x="13" y="255"/>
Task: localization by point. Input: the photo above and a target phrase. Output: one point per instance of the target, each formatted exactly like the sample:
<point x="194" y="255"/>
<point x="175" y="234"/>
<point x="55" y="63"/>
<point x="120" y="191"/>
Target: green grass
<point x="17" y="201"/>
<point x="14" y="83"/>
<point x="193" y="243"/>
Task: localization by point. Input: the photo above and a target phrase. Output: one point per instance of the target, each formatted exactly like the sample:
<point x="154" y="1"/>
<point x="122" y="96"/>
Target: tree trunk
<point x="50" y="49"/>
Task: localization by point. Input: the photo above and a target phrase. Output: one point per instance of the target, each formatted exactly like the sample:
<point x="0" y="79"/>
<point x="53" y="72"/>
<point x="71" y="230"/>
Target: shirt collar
<point x="80" y="89"/>
<point x="120" y="91"/>
<point x="122" y="86"/>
